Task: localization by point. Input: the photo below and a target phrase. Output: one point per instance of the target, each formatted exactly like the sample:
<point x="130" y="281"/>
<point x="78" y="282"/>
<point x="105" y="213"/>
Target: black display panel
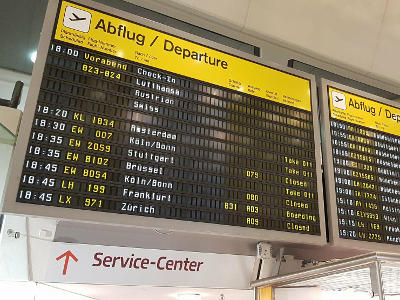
<point x="365" y="143"/>
<point x="114" y="135"/>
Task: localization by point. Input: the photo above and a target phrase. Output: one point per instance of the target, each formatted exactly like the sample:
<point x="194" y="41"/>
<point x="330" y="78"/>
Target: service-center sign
<point x="96" y="264"/>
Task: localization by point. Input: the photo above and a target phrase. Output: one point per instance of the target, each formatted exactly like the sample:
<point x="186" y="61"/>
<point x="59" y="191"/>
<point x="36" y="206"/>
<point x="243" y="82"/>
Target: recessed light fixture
<point x="33" y="56"/>
<point x="188" y="296"/>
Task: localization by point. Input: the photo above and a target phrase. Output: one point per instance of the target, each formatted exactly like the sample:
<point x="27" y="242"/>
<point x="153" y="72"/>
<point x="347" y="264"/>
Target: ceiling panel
<point x="231" y="11"/>
<point x="64" y="291"/>
<point x="342" y="30"/>
<point x="386" y="61"/>
<point x="20" y="25"/>
<point x="107" y="292"/>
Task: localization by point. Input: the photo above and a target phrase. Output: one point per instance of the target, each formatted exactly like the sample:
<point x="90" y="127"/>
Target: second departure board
<point x="362" y="154"/>
<point x="134" y="121"/>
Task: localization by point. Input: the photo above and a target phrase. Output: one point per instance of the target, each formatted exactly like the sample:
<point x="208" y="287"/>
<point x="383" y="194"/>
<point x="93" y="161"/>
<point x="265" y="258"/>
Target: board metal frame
<point x="11" y="206"/>
<point x="330" y="194"/>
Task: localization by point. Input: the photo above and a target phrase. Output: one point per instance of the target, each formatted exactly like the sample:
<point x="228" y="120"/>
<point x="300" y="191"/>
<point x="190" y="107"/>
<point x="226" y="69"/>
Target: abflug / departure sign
<point x="134" y="121"/>
<point x="366" y="160"/>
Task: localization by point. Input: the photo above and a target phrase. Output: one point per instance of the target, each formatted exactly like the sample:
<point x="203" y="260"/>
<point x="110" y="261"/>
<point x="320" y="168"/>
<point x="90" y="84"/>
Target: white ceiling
<point x="107" y="292"/>
<point x="62" y="291"/>
<point x="363" y="35"/>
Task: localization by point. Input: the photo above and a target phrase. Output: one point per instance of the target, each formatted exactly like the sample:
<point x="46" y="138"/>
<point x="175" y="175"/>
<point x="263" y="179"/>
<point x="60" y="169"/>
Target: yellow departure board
<point x="131" y="120"/>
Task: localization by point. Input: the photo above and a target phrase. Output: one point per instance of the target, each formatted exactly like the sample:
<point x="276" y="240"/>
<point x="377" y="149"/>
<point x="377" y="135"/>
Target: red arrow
<point x="67" y="255"/>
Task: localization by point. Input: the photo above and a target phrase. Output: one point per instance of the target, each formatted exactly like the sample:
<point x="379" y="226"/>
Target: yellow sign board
<point x="365" y="112"/>
<point x="102" y="32"/>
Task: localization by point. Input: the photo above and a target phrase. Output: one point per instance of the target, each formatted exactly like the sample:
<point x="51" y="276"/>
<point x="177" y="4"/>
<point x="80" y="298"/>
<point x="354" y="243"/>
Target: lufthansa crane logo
<point x="77" y="19"/>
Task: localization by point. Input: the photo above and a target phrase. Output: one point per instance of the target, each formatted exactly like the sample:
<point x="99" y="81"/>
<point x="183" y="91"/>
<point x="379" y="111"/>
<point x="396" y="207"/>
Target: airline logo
<point x="77" y="19"/>
<point x="338" y="100"/>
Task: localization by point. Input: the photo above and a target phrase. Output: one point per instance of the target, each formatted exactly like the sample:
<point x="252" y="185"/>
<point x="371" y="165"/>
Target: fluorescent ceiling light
<point x="188" y="296"/>
<point x="33" y="56"/>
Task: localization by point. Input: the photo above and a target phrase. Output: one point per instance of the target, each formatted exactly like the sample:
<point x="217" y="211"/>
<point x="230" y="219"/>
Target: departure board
<point x="363" y="163"/>
<point x="135" y="121"/>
